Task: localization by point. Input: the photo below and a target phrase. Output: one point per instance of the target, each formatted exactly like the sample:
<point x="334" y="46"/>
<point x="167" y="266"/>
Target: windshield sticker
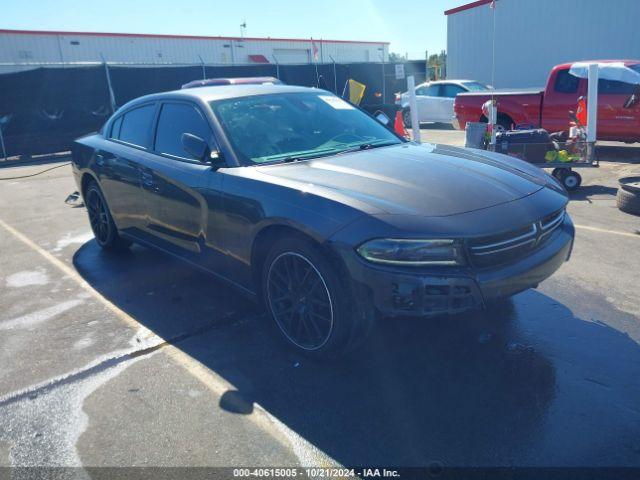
<point x="336" y="102"/>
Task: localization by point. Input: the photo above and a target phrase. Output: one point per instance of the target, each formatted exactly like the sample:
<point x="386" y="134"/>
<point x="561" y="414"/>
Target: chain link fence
<point x="44" y="107"/>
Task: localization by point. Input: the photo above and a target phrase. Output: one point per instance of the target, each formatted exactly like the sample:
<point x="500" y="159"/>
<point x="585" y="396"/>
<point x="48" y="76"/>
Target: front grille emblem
<point x="537" y="230"/>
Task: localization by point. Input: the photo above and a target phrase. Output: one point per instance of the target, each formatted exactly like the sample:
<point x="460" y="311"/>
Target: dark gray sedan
<point x="303" y="201"/>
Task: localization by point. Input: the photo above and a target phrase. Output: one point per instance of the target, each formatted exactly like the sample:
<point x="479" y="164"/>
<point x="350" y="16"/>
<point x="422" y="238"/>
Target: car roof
<point x="222" y="92"/>
<point x="232" y="81"/>
<point x="627" y="62"/>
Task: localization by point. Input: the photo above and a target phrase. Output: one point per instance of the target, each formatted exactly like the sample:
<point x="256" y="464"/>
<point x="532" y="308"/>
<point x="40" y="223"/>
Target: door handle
<point x="147" y="179"/>
<point x="100" y="159"/>
<point x="149" y="182"/>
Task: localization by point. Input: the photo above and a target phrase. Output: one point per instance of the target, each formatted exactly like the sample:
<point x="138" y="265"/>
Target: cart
<point x="562" y="157"/>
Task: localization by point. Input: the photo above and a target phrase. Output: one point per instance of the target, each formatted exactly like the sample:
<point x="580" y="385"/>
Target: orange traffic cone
<point x="398" y="125"/>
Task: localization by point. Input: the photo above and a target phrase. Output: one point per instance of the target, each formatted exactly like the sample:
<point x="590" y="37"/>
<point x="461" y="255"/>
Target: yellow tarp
<point x="356" y="91"/>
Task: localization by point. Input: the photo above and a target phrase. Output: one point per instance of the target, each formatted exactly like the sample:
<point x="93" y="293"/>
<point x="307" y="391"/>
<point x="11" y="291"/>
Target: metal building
<point x="531" y="36"/>
<point x="22" y="46"/>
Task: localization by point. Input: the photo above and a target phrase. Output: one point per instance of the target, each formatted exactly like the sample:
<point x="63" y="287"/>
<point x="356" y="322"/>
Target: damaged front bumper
<point x="395" y="292"/>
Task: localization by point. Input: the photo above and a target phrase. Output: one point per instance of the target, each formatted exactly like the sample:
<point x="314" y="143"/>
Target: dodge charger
<point x="310" y="205"/>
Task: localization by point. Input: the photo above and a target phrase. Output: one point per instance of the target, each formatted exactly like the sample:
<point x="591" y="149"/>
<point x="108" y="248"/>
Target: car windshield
<point x="475" y="86"/>
<point x="296" y="126"/>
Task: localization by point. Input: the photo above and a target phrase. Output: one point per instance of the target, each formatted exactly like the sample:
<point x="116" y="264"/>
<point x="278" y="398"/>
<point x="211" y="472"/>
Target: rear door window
<point x="136" y="126"/>
<point x="176" y="119"/>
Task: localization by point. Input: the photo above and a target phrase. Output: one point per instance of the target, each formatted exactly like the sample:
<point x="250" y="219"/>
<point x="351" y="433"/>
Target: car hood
<point x="426" y="180"/>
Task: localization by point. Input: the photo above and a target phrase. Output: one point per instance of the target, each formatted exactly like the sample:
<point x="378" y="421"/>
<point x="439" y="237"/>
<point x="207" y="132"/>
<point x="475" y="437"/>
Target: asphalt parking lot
<point x="139" y="360"/>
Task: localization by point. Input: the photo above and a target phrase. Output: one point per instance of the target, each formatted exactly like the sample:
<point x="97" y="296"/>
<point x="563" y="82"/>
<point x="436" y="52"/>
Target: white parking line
<point x="307" y="454"/>
<point x="612" y="232"/>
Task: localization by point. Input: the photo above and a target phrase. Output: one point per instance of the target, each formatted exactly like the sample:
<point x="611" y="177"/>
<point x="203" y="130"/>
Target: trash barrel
<point x="474" y="134"/>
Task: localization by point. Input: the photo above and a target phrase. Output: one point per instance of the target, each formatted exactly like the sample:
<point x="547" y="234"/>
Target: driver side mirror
<point x="195" y="146"/>
<point x="198" y="148"/>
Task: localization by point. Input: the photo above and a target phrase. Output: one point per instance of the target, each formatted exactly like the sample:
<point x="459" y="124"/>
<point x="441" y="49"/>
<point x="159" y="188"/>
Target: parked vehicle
<point x="298" y="198"/>
<point x="435" y="100"/>
<point x="548" y="108"/>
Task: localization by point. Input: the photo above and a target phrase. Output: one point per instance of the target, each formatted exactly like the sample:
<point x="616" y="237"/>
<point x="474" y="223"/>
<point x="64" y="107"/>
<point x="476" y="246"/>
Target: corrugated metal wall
<point x="534" y="35"/>
<point x="89" y="48"/>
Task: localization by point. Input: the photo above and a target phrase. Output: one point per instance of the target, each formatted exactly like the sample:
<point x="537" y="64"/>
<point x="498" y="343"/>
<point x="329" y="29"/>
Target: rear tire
<point x="628" y="202"/>
<point x="406" y="117"/>
<point x="311" y="307"/>
<point x="503" y="122"/>
<point x="102" y="225"/>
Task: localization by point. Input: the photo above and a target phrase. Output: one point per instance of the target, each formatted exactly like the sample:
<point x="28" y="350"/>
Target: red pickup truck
<point x="549" y="108"/>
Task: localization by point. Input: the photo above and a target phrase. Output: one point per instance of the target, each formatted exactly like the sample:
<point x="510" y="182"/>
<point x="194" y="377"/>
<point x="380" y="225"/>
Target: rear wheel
<point x="503" y="122"/>
<point x="406" y="117"/>
<point x="101" y="221"/>
<point x="311" y="307"/>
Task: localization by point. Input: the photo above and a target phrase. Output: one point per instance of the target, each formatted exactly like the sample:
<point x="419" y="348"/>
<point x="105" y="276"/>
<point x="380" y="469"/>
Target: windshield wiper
<point x="370" y="145"/>
<point x="275" y="159"/>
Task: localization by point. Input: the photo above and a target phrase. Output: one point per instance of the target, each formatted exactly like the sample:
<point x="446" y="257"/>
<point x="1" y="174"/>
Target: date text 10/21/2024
<point x="314" y="472"/>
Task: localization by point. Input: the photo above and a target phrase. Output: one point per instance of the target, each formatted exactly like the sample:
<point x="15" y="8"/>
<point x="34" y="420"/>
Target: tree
<point x="437" y="64"/>
<point x="396" y="57"/>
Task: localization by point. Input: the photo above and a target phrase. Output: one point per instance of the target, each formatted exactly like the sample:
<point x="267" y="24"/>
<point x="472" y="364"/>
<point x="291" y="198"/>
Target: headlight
<point x="412" y="252"/>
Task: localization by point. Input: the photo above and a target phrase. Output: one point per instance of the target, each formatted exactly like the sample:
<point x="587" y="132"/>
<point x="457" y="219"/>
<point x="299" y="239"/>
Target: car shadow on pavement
<point x="474" y="389"/>
<point x="585" y="192"/>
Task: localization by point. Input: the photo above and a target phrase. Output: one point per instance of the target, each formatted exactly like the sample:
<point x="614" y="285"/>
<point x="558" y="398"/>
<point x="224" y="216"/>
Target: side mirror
<point x="195" y="146"/>
<point x="383" y="118"/>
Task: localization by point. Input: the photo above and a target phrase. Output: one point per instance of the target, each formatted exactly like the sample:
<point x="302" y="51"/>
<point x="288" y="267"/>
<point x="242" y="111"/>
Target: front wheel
<point x="309" y="304"/>
<point x="102" y="225"/>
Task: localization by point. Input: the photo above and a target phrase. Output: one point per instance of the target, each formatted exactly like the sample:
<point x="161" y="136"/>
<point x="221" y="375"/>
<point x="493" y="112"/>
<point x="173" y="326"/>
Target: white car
<point x="435" y="99"/>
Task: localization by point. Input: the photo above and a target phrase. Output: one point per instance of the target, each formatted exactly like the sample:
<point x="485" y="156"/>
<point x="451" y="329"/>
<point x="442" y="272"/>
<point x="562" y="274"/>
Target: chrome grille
<point x="512" y="245"/>
<point x="550" y="223"/>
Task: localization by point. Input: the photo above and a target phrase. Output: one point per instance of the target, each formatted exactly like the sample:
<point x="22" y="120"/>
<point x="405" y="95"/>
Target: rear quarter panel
<point x="83" y="157"/>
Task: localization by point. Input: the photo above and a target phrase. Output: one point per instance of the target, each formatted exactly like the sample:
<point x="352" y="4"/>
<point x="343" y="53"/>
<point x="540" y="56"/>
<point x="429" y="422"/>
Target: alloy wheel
<point x="98" y="217"/>
<point x="300" y="301"/>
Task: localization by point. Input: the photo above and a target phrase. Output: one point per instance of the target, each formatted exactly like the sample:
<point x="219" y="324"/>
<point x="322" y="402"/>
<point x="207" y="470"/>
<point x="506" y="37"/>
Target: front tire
<point x="102" y="225"/>
<point x="307" y="301"/>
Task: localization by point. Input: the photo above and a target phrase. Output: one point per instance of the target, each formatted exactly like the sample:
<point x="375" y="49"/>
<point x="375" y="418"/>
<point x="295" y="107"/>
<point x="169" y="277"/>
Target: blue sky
<point x="411" y="27"/>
